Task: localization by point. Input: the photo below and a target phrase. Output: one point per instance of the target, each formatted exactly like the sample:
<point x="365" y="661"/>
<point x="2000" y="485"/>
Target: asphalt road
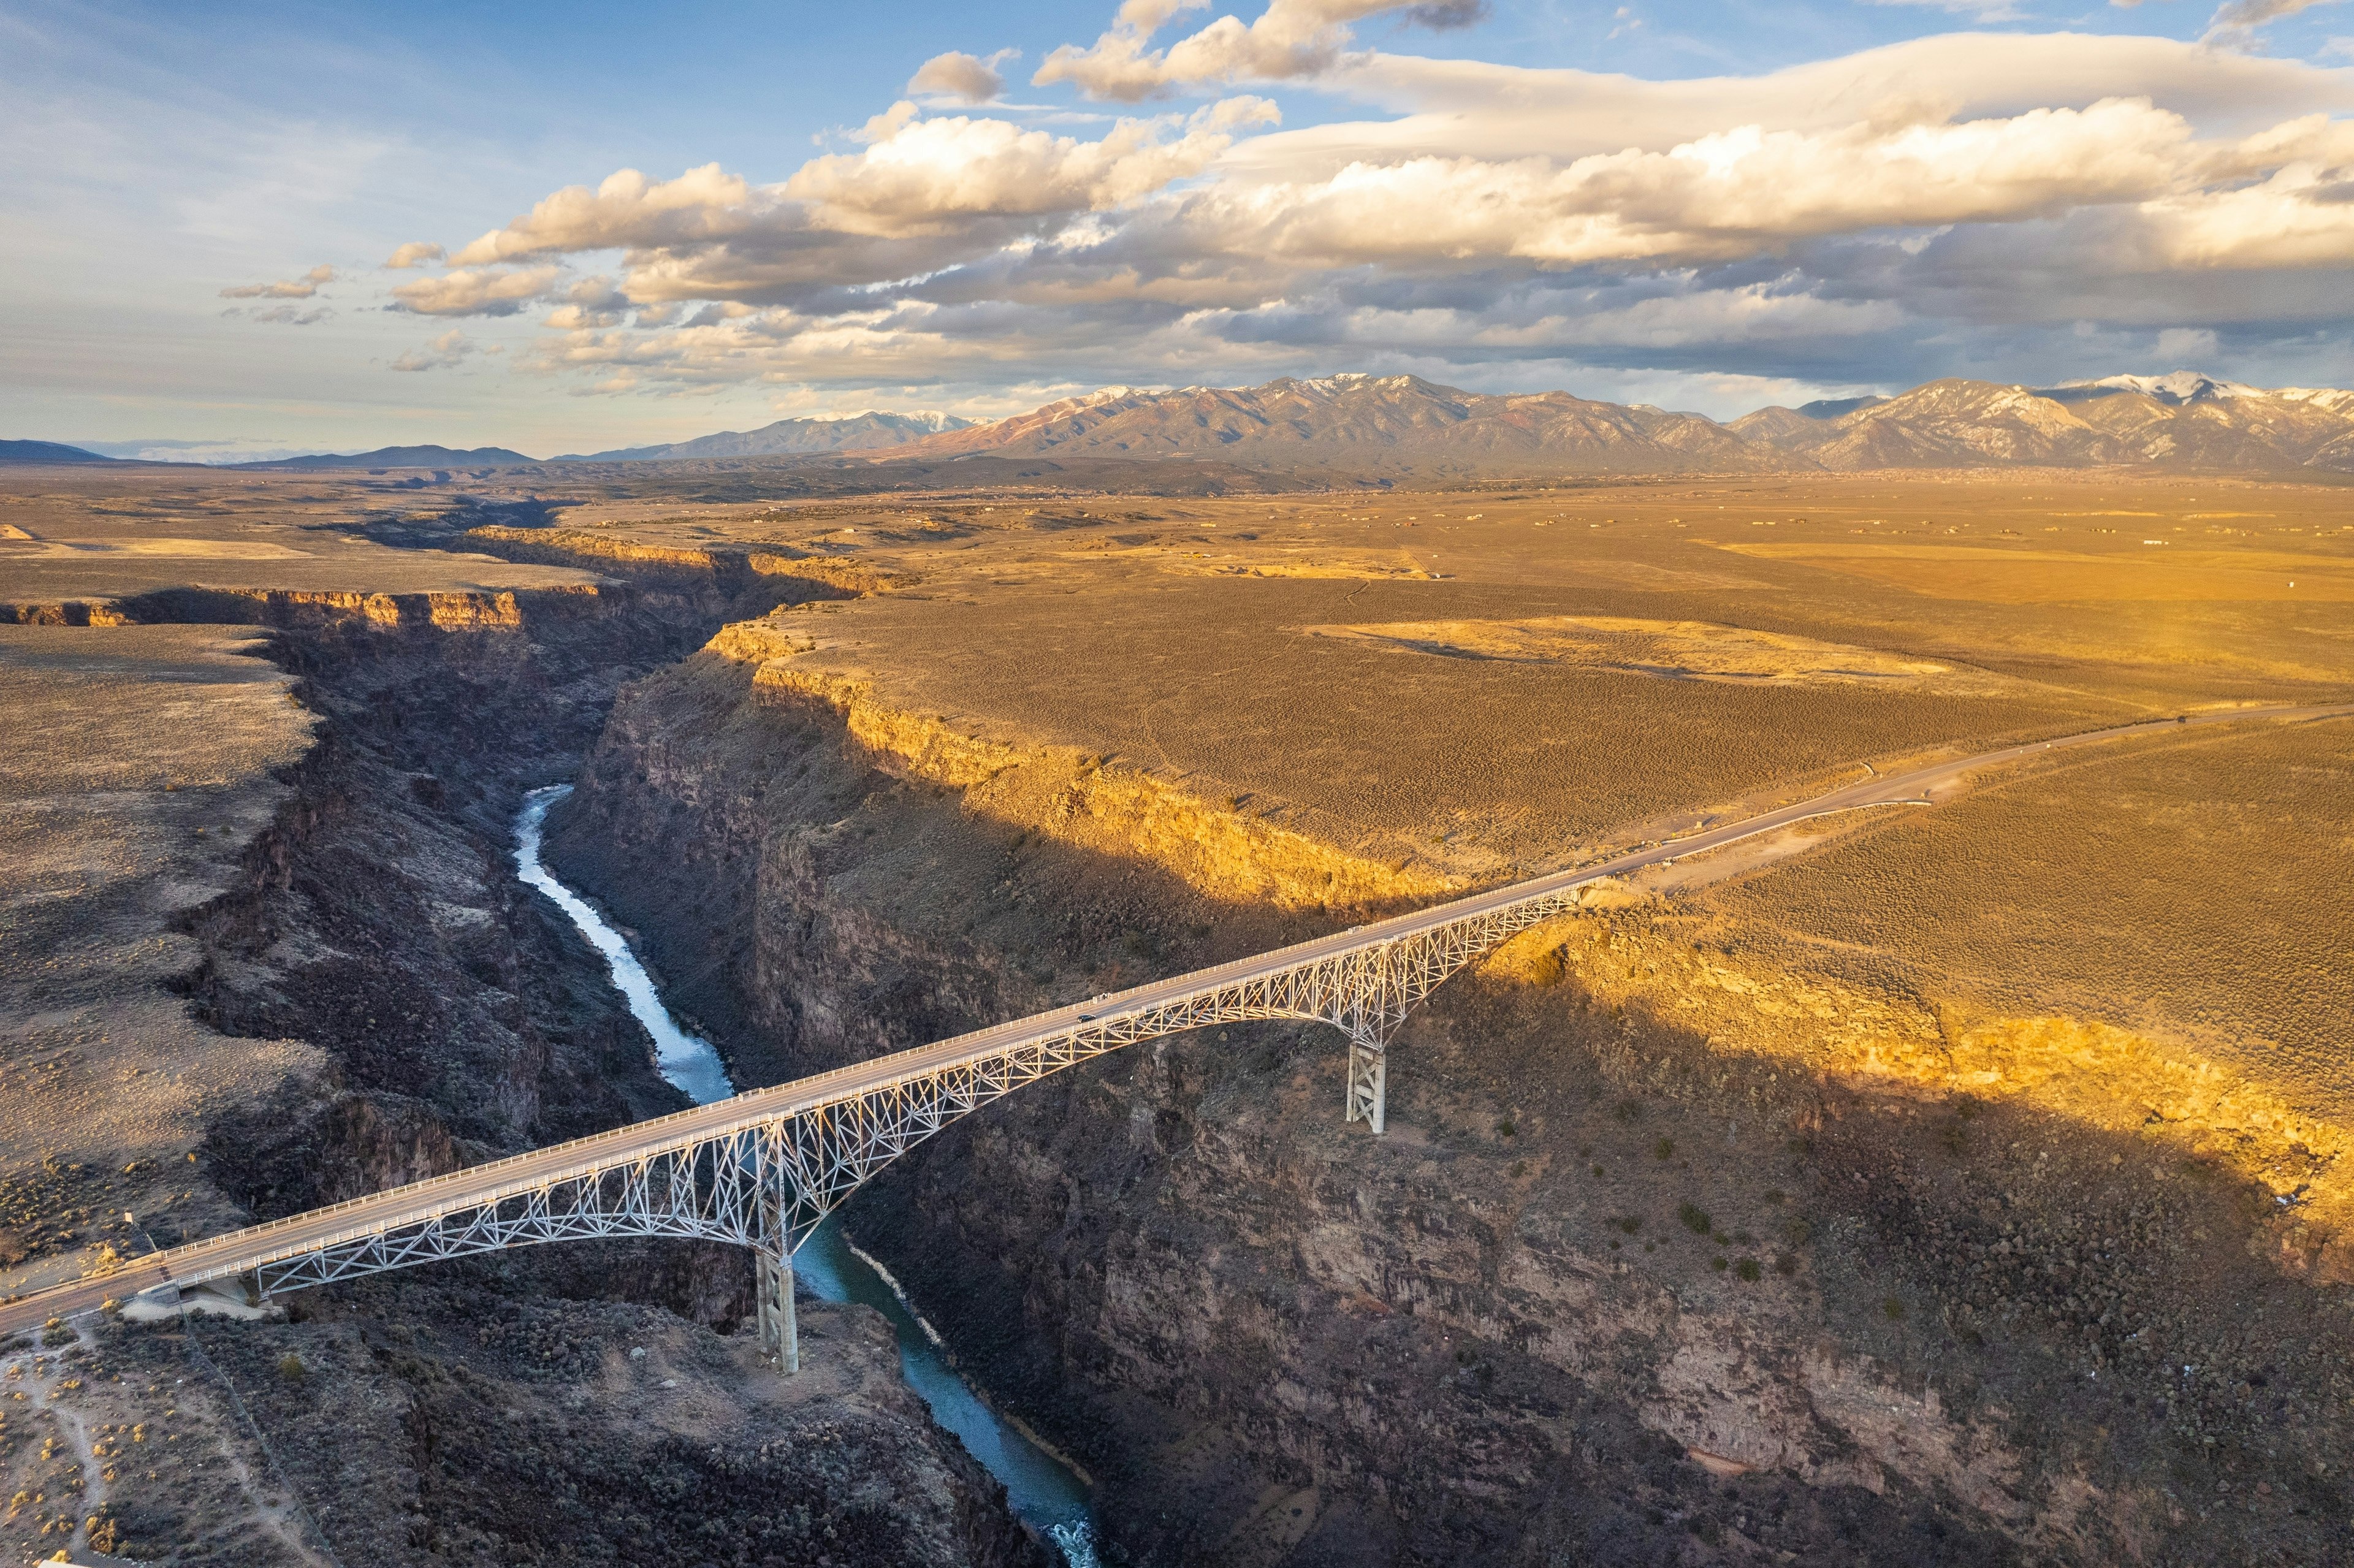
<point x="236" y="1251"/>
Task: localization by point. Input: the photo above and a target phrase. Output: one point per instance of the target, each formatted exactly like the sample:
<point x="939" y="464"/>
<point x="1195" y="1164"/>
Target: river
<point x="1042" y="1489"/>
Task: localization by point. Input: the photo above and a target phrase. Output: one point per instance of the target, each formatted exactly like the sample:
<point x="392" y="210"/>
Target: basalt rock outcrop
<point x="1672" y="1253"/>
<point x="504" y="1408"/>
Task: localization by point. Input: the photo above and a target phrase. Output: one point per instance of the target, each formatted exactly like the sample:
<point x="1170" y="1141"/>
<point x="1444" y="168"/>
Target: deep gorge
<point x="1507" y="1332"/>
<point x="447" y="1415"/>
<point x="1645" y="1271"/>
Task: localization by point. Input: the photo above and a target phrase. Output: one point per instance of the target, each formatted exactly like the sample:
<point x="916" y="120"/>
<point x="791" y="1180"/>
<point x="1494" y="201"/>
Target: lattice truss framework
<point x="766" y="1184"/>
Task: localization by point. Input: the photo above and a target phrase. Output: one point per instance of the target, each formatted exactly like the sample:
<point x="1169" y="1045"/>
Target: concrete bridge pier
<point x="1368" y="1083"/>
<point x="773" y="1296"/>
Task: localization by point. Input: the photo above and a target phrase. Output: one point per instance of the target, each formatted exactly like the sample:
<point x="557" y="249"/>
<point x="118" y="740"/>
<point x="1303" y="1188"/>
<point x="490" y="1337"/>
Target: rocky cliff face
<point x="494" y="1409"/>
<point x="1670" y="1255"/>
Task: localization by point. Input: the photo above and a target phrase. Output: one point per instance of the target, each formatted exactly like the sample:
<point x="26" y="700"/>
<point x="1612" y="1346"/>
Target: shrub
<point x="1505" y="1128"/>
<point x="1719" y="1265"/>
<point x="291" y="1367"/>
<point x="1892" y="1309"/>
<point x="1665" y="1149"/>
<point x="1747" y="1268"/>
<point x="1695" y="1219"/>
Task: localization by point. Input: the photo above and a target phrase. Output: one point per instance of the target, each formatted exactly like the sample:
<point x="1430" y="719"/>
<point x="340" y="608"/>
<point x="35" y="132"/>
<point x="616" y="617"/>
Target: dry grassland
<point x="91" y="539"/>
<point x="1458" y="688"/>
<point x="2065" y="576"/>
<point x="1441" y="682"/>
<point x="140" y="761"/>
<point x="1669" y="649"/>
<point x="2199" y="891"/>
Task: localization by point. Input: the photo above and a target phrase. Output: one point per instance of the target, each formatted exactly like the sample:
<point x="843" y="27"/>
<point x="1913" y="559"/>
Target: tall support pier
<point x="773" y="1290"/>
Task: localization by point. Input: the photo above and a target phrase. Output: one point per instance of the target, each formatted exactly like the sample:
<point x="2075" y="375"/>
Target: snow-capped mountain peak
<point x="2175" y="386"/>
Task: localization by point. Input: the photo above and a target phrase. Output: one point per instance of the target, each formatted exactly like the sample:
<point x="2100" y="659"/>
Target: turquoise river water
<point x="1042" y="1489"/>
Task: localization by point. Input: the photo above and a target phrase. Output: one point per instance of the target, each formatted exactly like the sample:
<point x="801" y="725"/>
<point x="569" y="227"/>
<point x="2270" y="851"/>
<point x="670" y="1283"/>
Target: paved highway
<point x="238" y="1251"/>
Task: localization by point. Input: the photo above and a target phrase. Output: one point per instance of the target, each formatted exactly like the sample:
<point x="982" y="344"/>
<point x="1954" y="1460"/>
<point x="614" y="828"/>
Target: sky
<point x="251" y="228"/>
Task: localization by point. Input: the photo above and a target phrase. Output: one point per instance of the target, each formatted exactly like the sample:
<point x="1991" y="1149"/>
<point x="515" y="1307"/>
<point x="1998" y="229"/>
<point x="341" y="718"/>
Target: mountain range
<point x="792" y="437"/>
<point x="404" y="457"/>
<point x="1403" y="425"/>
<point x="2179" y="422"/>
<point x="12" y="452"/>
<point x="1362" y="423"/>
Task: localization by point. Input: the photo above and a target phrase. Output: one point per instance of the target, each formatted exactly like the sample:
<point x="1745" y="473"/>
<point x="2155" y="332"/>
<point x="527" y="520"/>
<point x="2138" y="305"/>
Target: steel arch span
<point x="763" y="1169"/>
<point x="772" y="1172"/>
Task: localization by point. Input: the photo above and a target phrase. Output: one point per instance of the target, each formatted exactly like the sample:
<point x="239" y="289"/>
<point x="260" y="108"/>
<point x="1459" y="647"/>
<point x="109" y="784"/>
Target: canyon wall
<point x="576" y="1404"/>
<point x="1673" y="1252"/>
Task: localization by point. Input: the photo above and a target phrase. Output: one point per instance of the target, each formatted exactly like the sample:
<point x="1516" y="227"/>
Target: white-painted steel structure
<point x="770" y="1172"/>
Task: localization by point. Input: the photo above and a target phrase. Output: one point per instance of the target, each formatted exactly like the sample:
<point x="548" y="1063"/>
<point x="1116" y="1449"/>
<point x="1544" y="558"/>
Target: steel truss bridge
<point x="762" y="1168"/>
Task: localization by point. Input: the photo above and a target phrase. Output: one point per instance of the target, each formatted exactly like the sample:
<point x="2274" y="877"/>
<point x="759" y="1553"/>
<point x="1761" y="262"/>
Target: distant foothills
<point x="1405" y="427"/>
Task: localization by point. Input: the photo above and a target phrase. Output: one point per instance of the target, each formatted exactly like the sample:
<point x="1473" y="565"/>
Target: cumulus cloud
<point x="1745" y="192"/>
<point x="2186" y="345"/>
<point x="2237" y="21"/>
<point x="416" y="253"/>
<point x="591" y="302"/>
<point x="1479" y="109"/>
<point x="292" y="315"/>
<point x="701" y="206"/>
<point x="960" y="78"/>
<point x="444" y="352"/>
<point x="934" y="174"/>
<point x="1976" y="10"/>
<point x="1446" y="15"/>
<point x="301" y="288"/>
<point x="1291" y="39"/>
<point x="478" y="290"/>
<point x="1873" y="210"/>
<point x="924" y="195"/>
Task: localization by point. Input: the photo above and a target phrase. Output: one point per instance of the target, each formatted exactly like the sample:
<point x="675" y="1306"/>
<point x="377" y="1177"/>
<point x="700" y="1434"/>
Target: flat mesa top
<point x="82" y="534"/>
<point x="1482" y="678"/>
